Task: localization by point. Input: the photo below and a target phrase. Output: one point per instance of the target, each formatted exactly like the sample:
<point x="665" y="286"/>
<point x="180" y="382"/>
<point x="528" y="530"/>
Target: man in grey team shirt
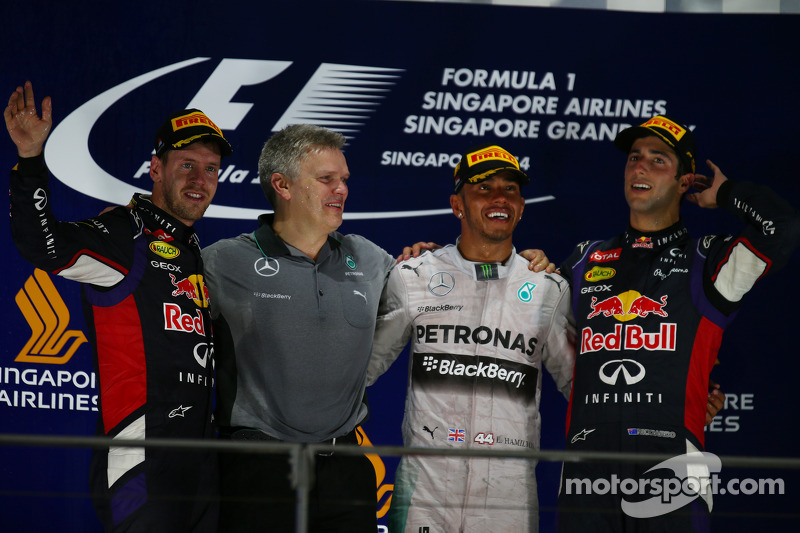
<point x="294" y="305"/>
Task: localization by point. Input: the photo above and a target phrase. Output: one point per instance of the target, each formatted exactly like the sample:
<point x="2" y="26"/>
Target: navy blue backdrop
<point x="412" y="85"/>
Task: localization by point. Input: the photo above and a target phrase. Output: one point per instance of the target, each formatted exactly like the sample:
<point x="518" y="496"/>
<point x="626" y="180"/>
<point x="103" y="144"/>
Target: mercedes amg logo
<point x="266" y="266"/>
<point x="619" y="365"/>
<point x="441" y="283"/>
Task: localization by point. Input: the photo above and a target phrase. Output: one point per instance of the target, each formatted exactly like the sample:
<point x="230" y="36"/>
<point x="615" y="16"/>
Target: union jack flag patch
<point x="456" y="435"/>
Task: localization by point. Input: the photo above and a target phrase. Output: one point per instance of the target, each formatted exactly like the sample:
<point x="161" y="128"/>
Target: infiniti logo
<point x="441" y="283"/>
<point x="202" y="352"/>
<point x="41" y="199"/>
<point x="619" y="365"/>
<point x="266" y="266"/>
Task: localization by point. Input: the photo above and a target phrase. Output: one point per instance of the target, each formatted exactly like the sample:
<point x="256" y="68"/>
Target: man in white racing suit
<point x="481" y="326"/>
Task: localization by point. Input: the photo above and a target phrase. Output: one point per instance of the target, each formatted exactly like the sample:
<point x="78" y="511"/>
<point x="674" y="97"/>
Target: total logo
<point x="599" y="256"/>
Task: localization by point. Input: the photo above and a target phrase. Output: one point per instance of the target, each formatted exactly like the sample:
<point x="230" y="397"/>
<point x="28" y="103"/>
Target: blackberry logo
<point x="430" y="363"/>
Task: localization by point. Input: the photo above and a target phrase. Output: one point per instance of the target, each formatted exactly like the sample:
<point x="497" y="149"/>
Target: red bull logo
<point x="632" y="337"/>
<point x="627" y="306"/>
<point x="642" y="242"/>
<point x="191" y="287"/>
<point x="176" y="320"/>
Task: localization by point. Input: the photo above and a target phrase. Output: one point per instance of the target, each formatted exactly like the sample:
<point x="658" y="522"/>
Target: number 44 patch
<point x="484" y="438"/>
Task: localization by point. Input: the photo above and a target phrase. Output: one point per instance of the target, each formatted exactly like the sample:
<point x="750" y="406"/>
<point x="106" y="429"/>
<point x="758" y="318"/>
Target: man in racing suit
<point x="481" y="327"/>
<point x="650" y="306"/>
<point x="145" y="306"/>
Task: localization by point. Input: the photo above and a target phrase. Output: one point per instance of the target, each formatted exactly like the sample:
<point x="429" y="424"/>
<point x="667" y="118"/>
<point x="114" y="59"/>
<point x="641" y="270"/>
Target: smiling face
<point x="652" y="187"/>
<point x="184" y="183"/>
<point x="490" y="210"/>
<point x="318" y="193"/>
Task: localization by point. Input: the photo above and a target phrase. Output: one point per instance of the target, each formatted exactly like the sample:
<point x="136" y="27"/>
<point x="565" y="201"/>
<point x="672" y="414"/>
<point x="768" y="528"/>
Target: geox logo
<point x="48" y="318"/>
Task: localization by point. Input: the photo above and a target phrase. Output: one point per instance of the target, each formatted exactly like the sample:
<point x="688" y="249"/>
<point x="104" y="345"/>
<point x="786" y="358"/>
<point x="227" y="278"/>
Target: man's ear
<point x="280" y="184"/>
<point x="155" y="169"/>
<point x="685" y="182"/>
<point x="457" y="205"/>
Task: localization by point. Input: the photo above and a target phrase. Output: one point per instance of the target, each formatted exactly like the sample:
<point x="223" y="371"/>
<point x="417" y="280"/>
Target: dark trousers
<point x="171" y="492"/>
<point x="256" y="494"/>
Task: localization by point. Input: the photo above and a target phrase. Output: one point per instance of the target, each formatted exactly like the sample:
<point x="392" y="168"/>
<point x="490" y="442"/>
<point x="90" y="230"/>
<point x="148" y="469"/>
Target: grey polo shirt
<point x="293" y="336"/>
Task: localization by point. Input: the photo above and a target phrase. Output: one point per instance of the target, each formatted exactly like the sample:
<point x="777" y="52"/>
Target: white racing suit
<point x="480" y="333"/>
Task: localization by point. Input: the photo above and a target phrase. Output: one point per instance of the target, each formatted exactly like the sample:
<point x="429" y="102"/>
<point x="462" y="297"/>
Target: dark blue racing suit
<point x="650" y="310"/>
<point x="146" y="308"/>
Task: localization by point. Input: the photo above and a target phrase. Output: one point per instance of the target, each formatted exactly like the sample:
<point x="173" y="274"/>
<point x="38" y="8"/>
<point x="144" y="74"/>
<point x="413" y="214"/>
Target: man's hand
<point x="708" y="187"/>
<point x="416" y="249"/>
<point x="25" y="127"/>
<point x="538" y="261"/>
<point x="716" y="401"/>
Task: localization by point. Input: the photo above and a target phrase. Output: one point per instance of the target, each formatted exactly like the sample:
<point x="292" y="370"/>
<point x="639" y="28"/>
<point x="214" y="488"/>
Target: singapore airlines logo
<point x="384" y="489"/>
<point x="48" y="317"/>
<point x="267" y="266"/>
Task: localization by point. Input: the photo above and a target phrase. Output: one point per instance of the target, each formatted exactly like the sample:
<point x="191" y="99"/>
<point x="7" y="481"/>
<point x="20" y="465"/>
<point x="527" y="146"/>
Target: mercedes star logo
<point x="266" y="266"/>
<point x="441" y="283"/>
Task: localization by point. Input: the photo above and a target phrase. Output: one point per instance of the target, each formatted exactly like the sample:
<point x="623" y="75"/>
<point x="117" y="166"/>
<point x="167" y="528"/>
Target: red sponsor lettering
<point x="664" y="339"/>
<point x="634" y="338"/>
<point x="175" y="320"/>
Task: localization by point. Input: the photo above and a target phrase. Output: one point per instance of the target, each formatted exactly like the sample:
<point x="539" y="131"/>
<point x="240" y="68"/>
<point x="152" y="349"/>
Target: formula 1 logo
<point x="48" y="317"/>
<point x="352" y="91"/>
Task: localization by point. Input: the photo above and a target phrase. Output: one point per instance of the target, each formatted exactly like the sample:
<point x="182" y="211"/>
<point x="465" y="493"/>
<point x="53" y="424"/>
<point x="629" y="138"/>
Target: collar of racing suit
<point x="656" y="238"/>
<point x="154" y="216"/>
